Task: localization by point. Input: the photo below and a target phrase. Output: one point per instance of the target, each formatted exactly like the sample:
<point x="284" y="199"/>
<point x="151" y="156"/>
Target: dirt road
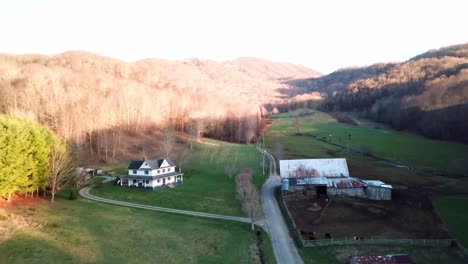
<point x="283" y="246"/>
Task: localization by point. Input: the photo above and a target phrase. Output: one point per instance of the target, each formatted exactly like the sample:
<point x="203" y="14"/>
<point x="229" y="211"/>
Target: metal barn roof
<point x="377" y="183"/>
<point x="335" y="182"/>
<point x="304" y="168"/>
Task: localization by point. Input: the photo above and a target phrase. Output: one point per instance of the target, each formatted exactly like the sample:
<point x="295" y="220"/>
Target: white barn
<point x="152" y="174"/>
<point x="304" y="168"/>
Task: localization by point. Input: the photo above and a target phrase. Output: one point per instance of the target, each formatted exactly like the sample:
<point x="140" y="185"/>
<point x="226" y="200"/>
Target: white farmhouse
<point x="153" y="174"/>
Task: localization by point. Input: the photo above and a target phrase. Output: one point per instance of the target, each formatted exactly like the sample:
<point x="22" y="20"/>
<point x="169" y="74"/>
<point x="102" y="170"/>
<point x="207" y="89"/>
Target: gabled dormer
<point x="151" y="167"/>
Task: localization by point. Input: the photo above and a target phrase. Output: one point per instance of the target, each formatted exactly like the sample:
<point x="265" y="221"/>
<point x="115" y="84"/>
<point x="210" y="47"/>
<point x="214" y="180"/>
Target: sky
<point x="323" y="35"/>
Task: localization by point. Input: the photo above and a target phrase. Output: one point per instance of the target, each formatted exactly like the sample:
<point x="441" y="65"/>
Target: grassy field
<point x="408" y="148"/>
<point x="206" y="187"/>
<point x="454" y="213"/>
<point x="83" y="231"/>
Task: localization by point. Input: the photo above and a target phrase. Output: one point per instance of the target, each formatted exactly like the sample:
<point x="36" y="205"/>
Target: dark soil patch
<point x="343" y="119"/>
<point x="408" y="215"/>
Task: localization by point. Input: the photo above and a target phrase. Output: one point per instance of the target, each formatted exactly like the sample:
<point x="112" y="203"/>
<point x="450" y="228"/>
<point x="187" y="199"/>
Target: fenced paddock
<point x="351" y="241"/>
<point x="379" y="241"/>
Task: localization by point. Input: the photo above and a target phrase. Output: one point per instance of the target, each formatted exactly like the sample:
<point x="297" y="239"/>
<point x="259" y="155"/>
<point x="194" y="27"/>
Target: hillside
<point x="428" y="93"/>
<point x="273" y="70"/>
<point x="90" y="100"/>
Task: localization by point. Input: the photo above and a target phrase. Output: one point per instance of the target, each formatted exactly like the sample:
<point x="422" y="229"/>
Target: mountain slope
<point x="428" y="93"/>
<point x="273" y="70"/>
<point x="78" y="92"/>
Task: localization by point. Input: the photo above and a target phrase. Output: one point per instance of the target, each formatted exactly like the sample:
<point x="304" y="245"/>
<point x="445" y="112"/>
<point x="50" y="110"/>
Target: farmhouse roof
<point x="304" y="168"/>
<point x="135" y="164"/>
<point x="387" y="259"/>
<point x="154" y="164"/>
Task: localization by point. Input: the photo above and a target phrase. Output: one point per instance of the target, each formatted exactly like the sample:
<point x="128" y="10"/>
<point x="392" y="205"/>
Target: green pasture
<point x="453" y="211"/>
<point x="312" y="122"/>
<point x="402" y="147"/>
<point x="84" y="231"/>
<point x="206" y="187"/>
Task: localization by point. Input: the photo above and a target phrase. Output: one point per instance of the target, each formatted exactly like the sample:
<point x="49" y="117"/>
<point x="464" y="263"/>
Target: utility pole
<point x="263" y="146"/>
<point x="263" y="162"/>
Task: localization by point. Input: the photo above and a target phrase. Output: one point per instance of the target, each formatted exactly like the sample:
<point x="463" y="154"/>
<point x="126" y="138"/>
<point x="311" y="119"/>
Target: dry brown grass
<point x="14" y="218"/>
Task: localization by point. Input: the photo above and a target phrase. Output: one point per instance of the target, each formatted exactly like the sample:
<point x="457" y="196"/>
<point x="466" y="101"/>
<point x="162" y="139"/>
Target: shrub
<point x="73" y="195"/>
<point x="99" y="183"/>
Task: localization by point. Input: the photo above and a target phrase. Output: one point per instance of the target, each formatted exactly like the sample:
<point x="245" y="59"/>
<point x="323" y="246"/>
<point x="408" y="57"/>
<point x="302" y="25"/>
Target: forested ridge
<point x="93" y="102"/>
<point x="428" y="93"/>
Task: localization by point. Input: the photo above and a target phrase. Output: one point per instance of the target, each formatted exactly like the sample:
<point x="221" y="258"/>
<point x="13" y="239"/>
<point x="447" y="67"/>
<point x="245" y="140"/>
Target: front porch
<point x="153" y="182"/>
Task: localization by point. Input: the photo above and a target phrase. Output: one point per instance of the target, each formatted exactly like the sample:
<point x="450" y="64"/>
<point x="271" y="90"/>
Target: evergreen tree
<point x="24" y="156"/>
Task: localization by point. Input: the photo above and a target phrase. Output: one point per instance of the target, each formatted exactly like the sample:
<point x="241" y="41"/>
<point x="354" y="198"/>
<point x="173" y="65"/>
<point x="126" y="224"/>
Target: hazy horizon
<point x="323" y="36"/>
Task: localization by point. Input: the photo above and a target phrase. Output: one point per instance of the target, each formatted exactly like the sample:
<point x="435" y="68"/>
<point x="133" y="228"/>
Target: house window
<point x="164" y="170"/>
<point x="147" y="182"/>
<point x="158" y="181"/>
<point x="159" y="171"/>
<point x="146" y="172"/>
<point x="134" y="172"/>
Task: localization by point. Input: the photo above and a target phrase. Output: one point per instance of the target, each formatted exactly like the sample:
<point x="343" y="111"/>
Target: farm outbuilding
<point x="344" y="186"/>
<point x="328" y="177"/>
<point x="378" y="190"/>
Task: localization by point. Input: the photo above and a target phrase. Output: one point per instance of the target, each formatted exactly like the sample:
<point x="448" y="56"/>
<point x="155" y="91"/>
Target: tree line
<point x="32" y="159"/>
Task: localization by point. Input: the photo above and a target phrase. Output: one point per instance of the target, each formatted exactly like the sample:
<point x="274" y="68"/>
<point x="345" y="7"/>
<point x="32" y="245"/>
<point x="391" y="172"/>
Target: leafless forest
<point x="95" y="103"/>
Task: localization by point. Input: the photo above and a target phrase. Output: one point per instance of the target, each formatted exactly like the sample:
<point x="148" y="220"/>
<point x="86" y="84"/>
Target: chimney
<point x="145" y="158"/>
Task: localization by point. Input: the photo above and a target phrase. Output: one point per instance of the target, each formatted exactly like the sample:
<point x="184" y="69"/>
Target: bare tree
<point x="278" y="150"/>
<point x="62" y="170"/>
<point x="247" y="193"/>
<point x="296" y="125"/>
<point x="193" y="133"/>
<point x="168" y="140"/>
<point x="199" y="127"/>
<point x="250" y="129"/>
<point x="183" y="157"/>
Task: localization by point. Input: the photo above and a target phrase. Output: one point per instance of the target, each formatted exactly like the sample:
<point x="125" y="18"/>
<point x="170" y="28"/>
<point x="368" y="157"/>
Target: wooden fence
<point x="288" y="218"/>
<point x="380" y="241"/>
<point x="351" y="241"/>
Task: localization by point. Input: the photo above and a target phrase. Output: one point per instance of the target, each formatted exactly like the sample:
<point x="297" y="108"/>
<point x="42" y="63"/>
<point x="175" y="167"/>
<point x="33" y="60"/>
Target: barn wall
<point x="379" y="193"/>
<point x="353" y="192"/>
